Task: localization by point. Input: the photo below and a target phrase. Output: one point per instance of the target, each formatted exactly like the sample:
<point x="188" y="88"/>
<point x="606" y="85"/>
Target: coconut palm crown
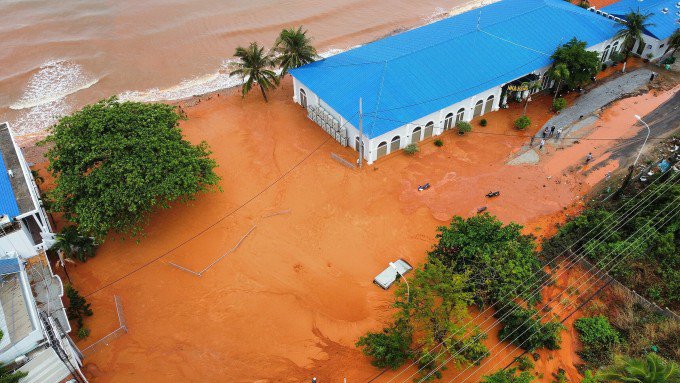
<point x="651" y="369"/>
<point x="294" y="49"/>
<point x="255" y="67"/>
<point x="632" y="29"/>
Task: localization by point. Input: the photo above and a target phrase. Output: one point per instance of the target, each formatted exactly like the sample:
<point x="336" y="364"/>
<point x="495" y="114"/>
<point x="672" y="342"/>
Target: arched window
<point x="615" y="47"/>
<point x="478" y="109"/>
<point x="489" y="104"/>
<point x="303" y="98"/>
<point x="415" y="137"/>
<point x="429" y="129"/>
<point x="395" y="144"/>
<point x="460" y="115"/>
<point x="382" y="150"/>
<point x="545" y="82"/>
<point x="448" y="121"/>
<point x="605" y="54"/>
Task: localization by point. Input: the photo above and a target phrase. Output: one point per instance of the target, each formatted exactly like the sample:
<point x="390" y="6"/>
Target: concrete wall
<point x="19" y="242"/>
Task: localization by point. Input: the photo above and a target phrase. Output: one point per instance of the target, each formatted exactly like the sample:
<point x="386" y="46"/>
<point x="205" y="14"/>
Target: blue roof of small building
<point x="664" y="23"/>
<point x="8" y="202"/>
<point x="9" y="266"/>
<point x="410" y="75"/>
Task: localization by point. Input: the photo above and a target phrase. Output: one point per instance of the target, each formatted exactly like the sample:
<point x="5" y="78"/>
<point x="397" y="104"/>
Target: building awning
<point x="9" y="266"/>
<point x="522" y="83"/>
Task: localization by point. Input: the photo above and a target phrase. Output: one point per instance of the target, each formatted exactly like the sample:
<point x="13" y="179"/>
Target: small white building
<point x="664" y="20"/>
<point x="420" y="83"/>
<point x="33" y="319"/>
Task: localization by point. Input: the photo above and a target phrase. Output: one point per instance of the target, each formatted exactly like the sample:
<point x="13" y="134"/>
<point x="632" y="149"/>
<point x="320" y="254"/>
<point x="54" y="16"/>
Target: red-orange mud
<point x="292" y="300"/>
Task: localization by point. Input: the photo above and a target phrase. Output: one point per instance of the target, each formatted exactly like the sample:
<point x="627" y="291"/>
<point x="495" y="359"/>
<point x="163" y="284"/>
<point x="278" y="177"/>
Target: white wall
<point x="19" y="242"/>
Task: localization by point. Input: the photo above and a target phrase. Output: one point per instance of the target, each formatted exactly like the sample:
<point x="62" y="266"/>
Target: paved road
<point x="599" y="97"/>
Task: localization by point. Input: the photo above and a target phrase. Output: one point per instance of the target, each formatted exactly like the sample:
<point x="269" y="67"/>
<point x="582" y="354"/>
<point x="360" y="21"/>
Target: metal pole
<point x="649" y="131"/>
<point x="361" y="135"/>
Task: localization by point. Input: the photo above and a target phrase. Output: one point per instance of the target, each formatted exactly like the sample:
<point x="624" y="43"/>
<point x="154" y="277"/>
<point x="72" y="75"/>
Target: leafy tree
<point x="523" y="328"/>
<point x="390" y="347"/>
<point x="598" y="337"/>
<point x="559" y="73"/>
<point x="294" y="49"/>
<point x="508" y="376"/>
<point x="673" y="42"/>
<point x="501" y="262"/>
<point x="651" y="369"/>
<point x="581" y="63"/>
<point x="522" y="122"/>
<point x="78" y="308"/>
<point x="524" y="363"/>
<point x="559" y="104"/>
<point x="632" y="30"/>
<point x="254" y="67"/>
<point x="114" y="162"/>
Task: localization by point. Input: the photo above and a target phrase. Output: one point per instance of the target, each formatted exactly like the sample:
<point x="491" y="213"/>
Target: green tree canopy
<point x="294" y="49"/>
<point x="390" y="347"/>
<point x="508" y="376"/>
<point x="581" y="63"/>
<point x="598" y="337"/>
<point x="255" y="67"/>
<point x="114" y="162"/>
<point x="632" y="29"/>
<point x="500" y="260"/>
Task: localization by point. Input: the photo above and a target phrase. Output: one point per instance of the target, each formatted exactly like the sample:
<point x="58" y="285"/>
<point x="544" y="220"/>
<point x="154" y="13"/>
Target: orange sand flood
<point x="292" y="300"/>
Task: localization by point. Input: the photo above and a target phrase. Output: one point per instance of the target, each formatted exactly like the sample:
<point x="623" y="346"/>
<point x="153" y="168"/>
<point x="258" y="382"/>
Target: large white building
<point x="664" y="19"/>
<point x="33" y="319"/>
<point x="420" y="83"/>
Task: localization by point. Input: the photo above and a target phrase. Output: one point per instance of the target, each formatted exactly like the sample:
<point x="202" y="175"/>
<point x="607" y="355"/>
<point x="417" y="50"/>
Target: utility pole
<point x="361" y="135"/>
<point x="631" y="168"/>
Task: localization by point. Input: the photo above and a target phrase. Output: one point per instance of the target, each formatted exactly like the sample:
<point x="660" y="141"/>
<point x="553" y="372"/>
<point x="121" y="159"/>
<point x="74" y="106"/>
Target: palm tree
<point x="673" y="42"/>
<point x="652" y="369"/>
<point x="254" y="66"/>
<point x="631" y="30"/>
<point x="294" y="49"/>
<point x="559" y="73"/>
<point x="71" y="245"/>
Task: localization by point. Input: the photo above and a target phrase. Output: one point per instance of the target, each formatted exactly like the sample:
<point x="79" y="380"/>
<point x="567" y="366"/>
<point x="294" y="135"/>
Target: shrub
<point x="598" y="337"/>
<point x="411" y="149"/>
<point x="78" y="307"/>
<point x="524" y="363"/>
<point x="483" y="122"/>
<point x="523" y="327"/>
<point x="604" y="67"/>
<point x="83" y="332"/>
<point x="522" y="123"/>
<point x="438" y="142"/>
<point x="388" y="348"/>
<point x="508" y="376"/>
<point x="559" y="104"/>
<point x="617" y="57"/>
<point x="463" y="127"/>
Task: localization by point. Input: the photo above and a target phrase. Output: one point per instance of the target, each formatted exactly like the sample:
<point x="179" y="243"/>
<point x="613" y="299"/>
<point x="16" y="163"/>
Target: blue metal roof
<point x="8" y="203"/>
<point x="664" y="23"/>
<point x="409" y="75"/>
<point x="9" y="266"/>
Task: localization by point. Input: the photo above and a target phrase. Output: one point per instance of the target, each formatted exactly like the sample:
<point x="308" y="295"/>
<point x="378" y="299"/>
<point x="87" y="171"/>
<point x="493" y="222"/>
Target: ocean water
<point x="57" y="56"/>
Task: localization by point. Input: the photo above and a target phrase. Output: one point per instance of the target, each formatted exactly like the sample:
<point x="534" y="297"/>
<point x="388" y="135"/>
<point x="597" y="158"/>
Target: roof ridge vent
<point x="664" y="11"/>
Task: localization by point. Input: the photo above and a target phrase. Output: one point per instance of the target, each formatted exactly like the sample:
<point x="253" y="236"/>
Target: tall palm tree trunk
<point x="264" y="94"/>
<point x="557" y="90"/>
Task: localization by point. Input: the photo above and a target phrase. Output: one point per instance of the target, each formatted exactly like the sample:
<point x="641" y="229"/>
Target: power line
<point x="508" y="296"/>
<point x="277" y="180"/>
<point x="671" y="214"/>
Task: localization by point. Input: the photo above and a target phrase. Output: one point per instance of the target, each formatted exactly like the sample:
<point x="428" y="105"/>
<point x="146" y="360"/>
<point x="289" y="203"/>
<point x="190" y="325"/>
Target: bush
<point x="522" y="123"/>
<point x="604" y="67"/>
<point x="463" y="127"/>
<point x="411" y="149"/>
<point x="508" y="376"/>
<point x="83" y="332"/>
<point x="483" y="122"/>
<point x="438" y="142"/>
<point x="389" y="348"/>
<point x="524" y="363"/>
<point x="78" y="308"/>
<point x="523" y="328"/>
<point x="559" y="104"/>
<point x="598" y="337"/>
<point x="617" y="57"/>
